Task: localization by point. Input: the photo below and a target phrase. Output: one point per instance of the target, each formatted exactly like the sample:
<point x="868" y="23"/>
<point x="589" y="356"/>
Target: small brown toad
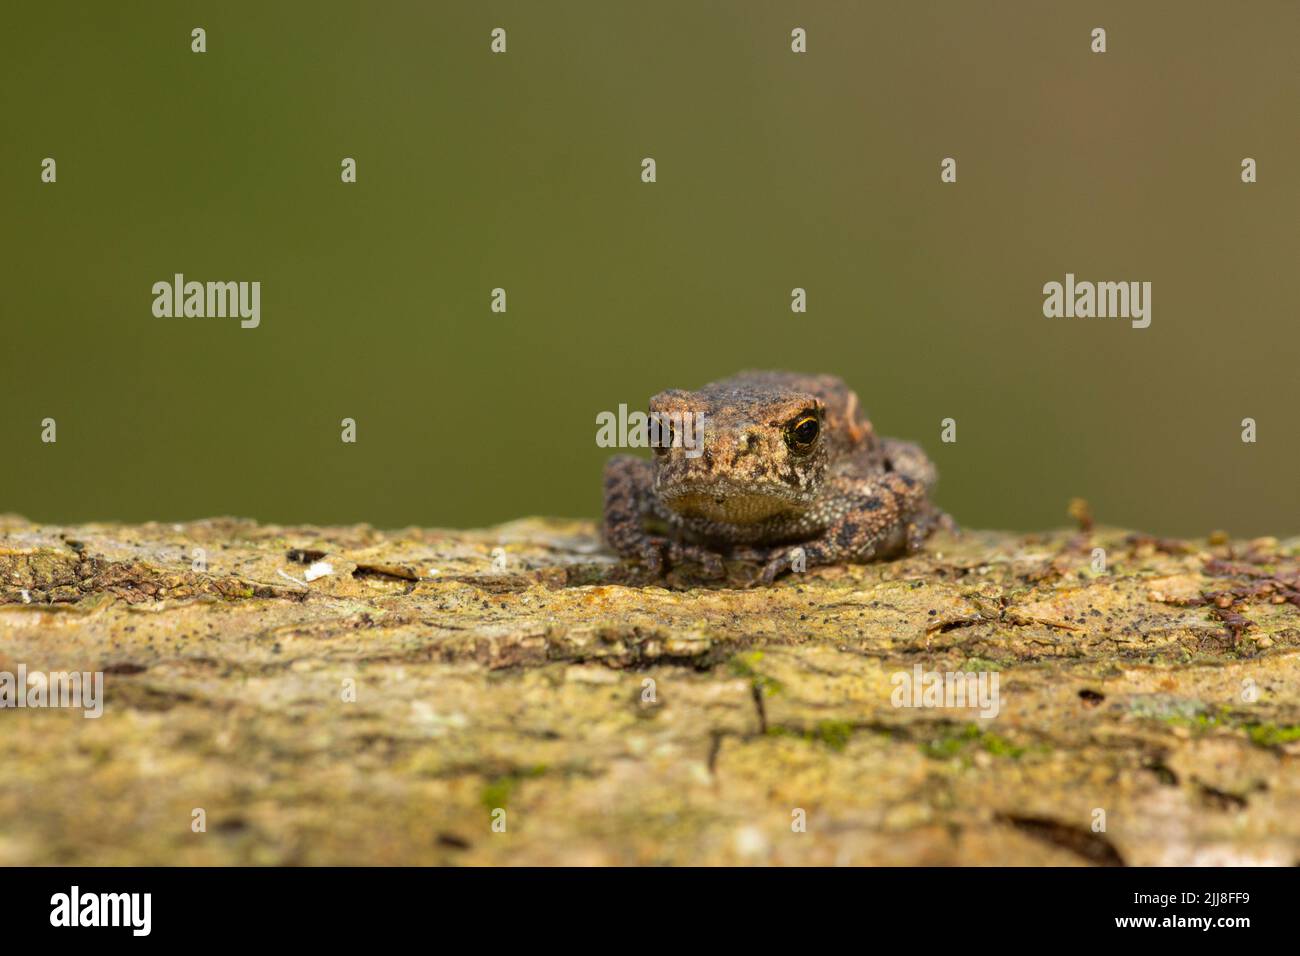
<point x="774" y="467"/>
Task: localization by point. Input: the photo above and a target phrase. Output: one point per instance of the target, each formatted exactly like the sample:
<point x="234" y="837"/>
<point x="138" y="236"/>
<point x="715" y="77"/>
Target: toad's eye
<point x="802" y="432"/>
<point x="662" y="434"/>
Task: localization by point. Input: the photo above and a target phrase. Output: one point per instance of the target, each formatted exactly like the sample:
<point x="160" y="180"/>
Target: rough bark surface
<point x="619" y="721"/>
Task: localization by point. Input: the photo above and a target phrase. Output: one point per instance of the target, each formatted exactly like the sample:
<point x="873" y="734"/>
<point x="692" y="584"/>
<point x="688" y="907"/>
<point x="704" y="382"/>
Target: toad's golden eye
<point x="662" y="434"/>
<point x="802" y="432"/>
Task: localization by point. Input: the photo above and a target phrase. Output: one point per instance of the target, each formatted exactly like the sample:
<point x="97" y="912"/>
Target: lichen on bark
<point x="346" y="695"/>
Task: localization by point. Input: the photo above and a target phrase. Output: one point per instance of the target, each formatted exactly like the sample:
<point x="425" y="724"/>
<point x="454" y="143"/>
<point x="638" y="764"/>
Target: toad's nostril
<point x="718" y="499"/>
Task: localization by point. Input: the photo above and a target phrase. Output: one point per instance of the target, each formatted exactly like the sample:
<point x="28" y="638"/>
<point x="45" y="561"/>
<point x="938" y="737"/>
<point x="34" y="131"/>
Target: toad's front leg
<point x="629" y="502"/>
<point x="884" y="515"/>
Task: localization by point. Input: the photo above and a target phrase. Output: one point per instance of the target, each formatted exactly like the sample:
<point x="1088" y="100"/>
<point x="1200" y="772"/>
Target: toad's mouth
<point x="733" y="507"/>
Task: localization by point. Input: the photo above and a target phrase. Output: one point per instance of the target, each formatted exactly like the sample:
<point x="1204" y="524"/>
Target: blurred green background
<point x="775" y="170"/>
